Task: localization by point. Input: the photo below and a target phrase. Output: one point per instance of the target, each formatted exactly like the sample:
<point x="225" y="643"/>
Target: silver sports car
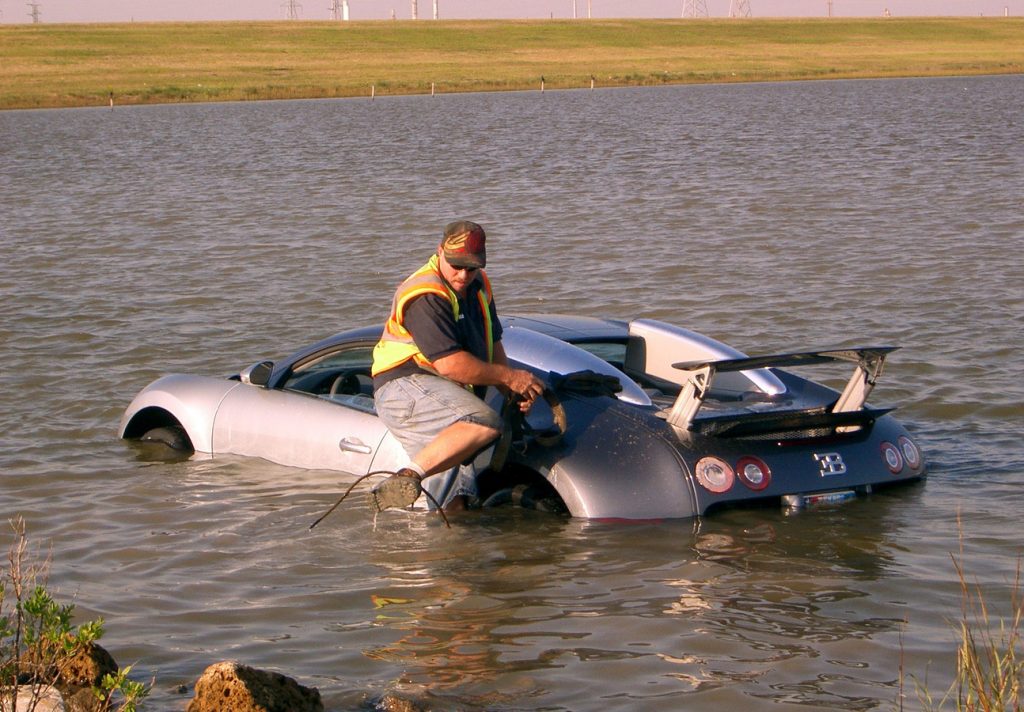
<point x="641" y="420"/>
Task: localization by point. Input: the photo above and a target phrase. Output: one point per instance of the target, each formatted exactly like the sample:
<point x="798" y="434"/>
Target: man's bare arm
<point x="463" y="367"/>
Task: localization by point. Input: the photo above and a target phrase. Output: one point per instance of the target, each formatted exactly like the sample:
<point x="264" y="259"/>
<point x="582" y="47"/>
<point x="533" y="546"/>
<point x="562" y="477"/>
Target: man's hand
<point x="525" y="385"/>
<point x="398" y="491"/>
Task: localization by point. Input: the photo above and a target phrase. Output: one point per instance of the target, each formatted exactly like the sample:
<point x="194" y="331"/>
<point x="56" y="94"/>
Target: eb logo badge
<point x="830" y="463"/>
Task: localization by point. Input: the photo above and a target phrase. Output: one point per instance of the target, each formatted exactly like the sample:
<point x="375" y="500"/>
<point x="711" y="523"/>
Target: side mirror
<point x="258" y="374"/>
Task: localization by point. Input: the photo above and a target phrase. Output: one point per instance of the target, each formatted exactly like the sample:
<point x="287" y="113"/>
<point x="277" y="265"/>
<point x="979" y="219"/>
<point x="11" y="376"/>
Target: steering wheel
<point x="346" y="382"/>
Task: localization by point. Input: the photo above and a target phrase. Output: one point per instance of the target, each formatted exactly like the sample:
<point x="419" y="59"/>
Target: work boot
<point x="398" y="491"/>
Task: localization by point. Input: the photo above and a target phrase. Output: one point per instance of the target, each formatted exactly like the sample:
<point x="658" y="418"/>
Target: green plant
<point x="130" y="692"/>
<point x="38" y="642"/>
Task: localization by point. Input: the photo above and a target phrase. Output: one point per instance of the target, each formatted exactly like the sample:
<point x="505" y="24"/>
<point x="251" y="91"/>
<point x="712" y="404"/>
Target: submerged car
<point x="642" y="420"/>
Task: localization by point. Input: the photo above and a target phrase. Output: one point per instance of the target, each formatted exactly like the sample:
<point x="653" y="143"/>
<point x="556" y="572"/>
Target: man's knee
<point x="491" y="433"/>
<point x="480" y="432"/>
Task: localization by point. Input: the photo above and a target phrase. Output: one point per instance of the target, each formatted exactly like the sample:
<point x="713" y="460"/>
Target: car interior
<point x="341" y="375"/>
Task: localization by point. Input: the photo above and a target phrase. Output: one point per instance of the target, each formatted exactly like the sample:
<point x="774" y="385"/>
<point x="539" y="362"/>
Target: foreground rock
<point x="33" y="699"/>
<point x="75" y="679"/>
<point x="88" y="666"/>
<point x="231" y="687"/>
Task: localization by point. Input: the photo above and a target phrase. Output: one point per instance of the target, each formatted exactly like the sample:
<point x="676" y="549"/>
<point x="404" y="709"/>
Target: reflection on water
<point x="701" y="608"/>
<point x="200" y="239"/>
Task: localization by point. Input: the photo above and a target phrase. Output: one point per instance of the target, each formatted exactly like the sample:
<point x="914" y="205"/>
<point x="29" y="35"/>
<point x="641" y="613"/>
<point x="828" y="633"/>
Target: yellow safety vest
<point x="396" y="345"/>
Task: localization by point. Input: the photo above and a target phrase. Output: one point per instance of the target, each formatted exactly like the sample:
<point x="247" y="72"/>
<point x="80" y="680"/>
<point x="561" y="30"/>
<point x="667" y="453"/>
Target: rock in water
<point x="88" y="666"/>
<point x="231" y="687"/>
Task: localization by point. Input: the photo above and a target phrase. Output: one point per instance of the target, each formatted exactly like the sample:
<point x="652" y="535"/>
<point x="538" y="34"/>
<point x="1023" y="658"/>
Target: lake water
<point x="199" y="239"/>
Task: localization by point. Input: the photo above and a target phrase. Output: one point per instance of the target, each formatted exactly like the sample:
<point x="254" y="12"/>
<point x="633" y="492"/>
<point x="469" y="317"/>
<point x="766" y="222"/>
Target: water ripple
<point x="150" y="240"/>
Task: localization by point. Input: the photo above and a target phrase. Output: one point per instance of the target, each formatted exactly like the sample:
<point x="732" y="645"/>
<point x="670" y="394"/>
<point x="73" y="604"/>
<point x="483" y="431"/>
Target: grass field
<point x="80" y="65"/>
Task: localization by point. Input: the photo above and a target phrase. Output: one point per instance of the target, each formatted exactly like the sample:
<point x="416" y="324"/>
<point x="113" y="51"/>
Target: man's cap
<point x="463" y="244"/>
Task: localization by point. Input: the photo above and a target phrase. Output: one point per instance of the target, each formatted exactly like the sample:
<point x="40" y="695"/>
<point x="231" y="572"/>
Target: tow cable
<point x="516" y="429"/>
<point x="371" y="474"/>
<point x="515" y="426"/>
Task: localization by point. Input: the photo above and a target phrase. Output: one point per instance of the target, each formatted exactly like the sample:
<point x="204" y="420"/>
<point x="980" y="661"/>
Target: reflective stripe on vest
<point x="396" y="345"/>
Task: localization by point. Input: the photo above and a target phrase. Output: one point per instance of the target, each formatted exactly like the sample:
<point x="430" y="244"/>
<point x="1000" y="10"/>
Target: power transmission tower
<point x="291" y="9"/>
<point x="739" y="8"/>
<point x="33" y="11"/>
<point x="339" y="10"/>
<point x="695" y="8"/>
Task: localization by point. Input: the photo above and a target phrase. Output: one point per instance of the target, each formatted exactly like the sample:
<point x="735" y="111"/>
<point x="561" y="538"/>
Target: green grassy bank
<point x="79" y="65"/>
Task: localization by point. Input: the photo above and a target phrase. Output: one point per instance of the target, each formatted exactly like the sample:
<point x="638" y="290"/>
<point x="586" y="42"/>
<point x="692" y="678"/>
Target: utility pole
<point x="291" y="9"/>
<point x="415" y="11"/>
<point x="33" y="11"/>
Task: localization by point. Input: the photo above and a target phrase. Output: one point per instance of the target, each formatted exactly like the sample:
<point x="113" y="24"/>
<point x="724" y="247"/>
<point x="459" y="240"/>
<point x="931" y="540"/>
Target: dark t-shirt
<point x="430" y="320"/>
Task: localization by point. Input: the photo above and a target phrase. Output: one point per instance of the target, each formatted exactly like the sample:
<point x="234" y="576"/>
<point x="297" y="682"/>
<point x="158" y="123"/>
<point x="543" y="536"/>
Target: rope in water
<point x="501" y="449"/>
<point x="371" y="474"/>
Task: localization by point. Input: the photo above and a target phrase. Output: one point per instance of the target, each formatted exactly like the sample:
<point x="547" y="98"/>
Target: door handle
<point x="354" y="446"/>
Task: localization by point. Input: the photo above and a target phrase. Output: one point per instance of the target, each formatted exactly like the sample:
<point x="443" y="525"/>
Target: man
<point x="440" y="349"/>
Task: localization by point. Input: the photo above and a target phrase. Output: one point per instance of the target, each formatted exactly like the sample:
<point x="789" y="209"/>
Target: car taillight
<point x="892" y="457"/>
<point x="910" y="452"/>
<point x="714" y="474"/>
<point x="753" y="472"/>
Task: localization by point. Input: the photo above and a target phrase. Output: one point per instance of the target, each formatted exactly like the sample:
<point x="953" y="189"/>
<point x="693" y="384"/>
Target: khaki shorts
<point x="417" y="408"/>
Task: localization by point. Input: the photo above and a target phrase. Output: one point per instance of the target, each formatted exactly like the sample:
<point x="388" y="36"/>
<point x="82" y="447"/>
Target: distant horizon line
<point x="879" y="16"/>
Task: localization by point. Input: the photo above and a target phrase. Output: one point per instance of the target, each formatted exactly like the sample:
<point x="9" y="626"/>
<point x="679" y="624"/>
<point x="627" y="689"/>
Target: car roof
<point x="570" y="328"/>
<point x="565" y="327"/>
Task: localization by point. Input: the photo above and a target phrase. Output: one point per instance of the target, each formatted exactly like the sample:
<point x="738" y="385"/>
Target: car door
<point x="309" y="422"/>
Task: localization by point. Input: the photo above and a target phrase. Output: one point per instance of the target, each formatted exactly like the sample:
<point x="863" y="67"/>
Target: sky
<point x="54" y="11"/>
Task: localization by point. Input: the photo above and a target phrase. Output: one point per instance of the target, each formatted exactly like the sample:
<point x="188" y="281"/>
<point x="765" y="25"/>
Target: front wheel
<point x="172" y="436"/>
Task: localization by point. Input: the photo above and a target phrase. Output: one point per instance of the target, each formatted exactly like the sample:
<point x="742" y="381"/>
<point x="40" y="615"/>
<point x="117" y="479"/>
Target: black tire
<point x="172" y="436"/>
<point x="527" y="497"/>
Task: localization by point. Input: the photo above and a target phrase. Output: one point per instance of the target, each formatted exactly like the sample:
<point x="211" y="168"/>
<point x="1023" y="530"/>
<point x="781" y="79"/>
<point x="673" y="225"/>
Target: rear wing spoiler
<point x="868" y="361"/>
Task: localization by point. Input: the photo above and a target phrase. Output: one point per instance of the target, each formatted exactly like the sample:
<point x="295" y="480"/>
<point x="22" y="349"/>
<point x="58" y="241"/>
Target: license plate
<point x="821" y="499"/>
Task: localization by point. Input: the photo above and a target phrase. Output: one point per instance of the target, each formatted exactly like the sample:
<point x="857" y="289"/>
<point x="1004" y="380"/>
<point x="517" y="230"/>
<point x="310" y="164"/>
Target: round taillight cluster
<point x="911" y="454"/>
<point x="904" y="453"/>
<point x="716" y="475"/>
<point x="892" y="457"/>
<point x="754" y="473"/>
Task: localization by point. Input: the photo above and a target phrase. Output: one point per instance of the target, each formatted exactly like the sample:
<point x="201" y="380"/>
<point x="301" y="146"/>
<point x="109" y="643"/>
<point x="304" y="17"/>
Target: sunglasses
<point x="460" y="268"/>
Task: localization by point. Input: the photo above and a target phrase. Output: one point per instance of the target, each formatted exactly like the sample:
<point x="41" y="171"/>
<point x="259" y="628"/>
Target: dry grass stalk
<point x="990" y="668"/>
